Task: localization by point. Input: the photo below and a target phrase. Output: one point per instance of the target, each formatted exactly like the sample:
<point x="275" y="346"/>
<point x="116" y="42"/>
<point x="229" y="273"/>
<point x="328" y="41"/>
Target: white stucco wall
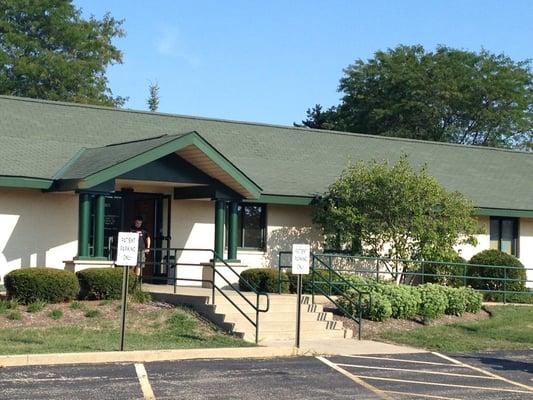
<point x="193" y="227"/>
<point x="525" y="231"/>
<point x="36" y="229"/>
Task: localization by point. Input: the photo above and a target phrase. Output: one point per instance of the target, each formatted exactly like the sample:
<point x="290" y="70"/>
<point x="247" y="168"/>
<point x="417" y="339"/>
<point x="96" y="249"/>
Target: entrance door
<point x="154" y="208"/>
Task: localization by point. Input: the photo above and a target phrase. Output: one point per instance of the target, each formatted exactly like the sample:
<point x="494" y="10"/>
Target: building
<point x="72" y="176"/>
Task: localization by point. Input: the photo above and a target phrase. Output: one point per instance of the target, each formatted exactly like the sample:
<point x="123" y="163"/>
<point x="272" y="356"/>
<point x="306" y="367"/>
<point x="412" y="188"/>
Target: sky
<point x="270" y="60"/>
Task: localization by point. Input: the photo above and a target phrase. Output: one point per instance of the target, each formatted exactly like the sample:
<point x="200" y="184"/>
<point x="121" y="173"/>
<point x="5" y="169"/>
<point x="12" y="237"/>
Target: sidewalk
<point x="265" y="350"/>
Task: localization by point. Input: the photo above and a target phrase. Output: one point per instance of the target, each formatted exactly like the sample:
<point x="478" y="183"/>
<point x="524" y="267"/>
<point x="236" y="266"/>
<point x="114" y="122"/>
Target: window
<point x="251" y="226"/>
<point x="504" y="235"/>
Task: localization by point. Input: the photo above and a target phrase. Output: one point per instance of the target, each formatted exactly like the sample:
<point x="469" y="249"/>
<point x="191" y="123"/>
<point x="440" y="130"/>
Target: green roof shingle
<point x="40" y="137"/>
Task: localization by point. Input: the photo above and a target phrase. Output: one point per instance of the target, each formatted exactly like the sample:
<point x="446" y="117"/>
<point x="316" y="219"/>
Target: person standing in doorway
<point x="144" y="243"/>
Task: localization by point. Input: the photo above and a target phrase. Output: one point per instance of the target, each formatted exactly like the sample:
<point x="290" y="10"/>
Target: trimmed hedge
<point x="474" y="299"/>
<point x="376" y="307"/>
<point x="433" y="301"/>
<point x="497" y="258"/>
<point x="457" y="301"/>
<point x="103" y="283"/>
<point x="52" y="285"/>
<point x="404" y="300"/>
<point x="264" y="280"/>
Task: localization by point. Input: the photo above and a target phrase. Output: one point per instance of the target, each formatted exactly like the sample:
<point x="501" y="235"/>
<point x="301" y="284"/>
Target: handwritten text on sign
<point x="127" y="249"/>
<point x="300" y="258"/>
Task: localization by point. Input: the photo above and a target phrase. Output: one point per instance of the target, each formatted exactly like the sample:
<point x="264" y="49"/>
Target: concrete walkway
<point x="343" y="347"/>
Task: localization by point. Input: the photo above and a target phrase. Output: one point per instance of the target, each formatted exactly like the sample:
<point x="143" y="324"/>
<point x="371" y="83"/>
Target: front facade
<point x="73" y="176"/>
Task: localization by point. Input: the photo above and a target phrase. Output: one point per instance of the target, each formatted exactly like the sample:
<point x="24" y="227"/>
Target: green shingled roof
<point x="39" y="138"/>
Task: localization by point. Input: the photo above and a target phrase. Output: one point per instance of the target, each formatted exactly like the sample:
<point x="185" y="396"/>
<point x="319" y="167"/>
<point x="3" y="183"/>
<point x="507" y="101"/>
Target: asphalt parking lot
<point x="501" y="375"/>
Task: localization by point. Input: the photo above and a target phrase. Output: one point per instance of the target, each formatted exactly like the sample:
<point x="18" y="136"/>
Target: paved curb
<point x="145" y="356"/>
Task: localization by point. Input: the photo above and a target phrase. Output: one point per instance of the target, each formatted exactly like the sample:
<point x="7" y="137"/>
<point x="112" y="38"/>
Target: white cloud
<point x="170" y="43"/>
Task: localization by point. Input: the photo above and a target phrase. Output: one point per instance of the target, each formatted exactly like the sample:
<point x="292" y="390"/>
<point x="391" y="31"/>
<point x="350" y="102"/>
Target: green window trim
<point x="499" y="228"/>
<point x="241" y="233"/>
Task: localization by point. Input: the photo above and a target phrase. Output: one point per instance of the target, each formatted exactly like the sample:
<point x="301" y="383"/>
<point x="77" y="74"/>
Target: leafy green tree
<point x="48" y="51"/>
<point x="379" y="209"/>
<point x="445" y="95"/>
<point x="153" y="98"/>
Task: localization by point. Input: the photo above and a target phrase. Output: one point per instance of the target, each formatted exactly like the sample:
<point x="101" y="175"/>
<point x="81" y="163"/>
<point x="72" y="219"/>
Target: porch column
<point x="232" y="230"/>
<point x="83" y="225"/>
<point x="220" y="213"/>
<point x="99" y="215"/>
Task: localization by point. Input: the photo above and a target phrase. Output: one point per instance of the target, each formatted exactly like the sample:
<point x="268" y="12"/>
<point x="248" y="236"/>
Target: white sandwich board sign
<point x="127" y="249"/>
<point x="300" y="258"/>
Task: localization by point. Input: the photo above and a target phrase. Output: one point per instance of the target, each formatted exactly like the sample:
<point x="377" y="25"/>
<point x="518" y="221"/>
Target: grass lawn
<point x="94" y="326"/>
<point x="509" y="328"/>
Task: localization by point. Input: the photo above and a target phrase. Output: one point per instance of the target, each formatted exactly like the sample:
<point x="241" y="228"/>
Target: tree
<point x="447" y="95"/>
<point x="48" y="51"/>
<point x="318" y="119"/>
<point x="377" y="209"/>
<point x="153" y="98"/>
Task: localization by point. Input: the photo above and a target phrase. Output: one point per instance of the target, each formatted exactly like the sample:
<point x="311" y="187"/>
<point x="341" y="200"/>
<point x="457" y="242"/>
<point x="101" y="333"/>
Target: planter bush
<point x="376" y="307"/>
<point x="103" y="283"/>
<point x="433" y="301"/>
<point x="264" y="280"/>
<point x="28" y="285"/>
<point x="457" y="301"/>
<point x="496" y="258"/>
<point x="474" y="299"/>
<point x="404" y="300"/>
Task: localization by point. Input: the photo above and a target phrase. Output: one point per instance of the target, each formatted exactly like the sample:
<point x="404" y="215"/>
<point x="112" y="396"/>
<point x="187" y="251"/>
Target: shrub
<point x="404" y="299"/>
<point x="55" y="314"/>
<point x="457" y="301"/>
<point x="263" y="280"/>
<point x="448" y="273"/>
<point x="375" y="307"/>
<point x="433" y="301"/>
<point x="103" y="283"/>
<point x="496" y="258"/>
<point x="48" y="284"/>
<point x="36" y="306"/>
<point x="92" y="313"/>
<point x="473" y="299"/>
<point x="14" y="315"/>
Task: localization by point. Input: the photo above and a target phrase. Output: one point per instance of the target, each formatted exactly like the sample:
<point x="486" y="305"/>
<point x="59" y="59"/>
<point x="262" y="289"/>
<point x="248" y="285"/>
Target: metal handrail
<point x="316" y="285"/>
<point x="423" y="274"/>
<point x="345" y="282"/>
<point x="212" y="264"/>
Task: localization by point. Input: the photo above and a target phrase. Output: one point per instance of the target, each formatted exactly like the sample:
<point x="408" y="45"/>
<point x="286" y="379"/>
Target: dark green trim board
<point x="232" y="230"/>
<point x="220" y="213"/>
<point x="99" y="214"/>
<point x="25" y="182"/>
<point x="500" y="212"/>
<point x="83" y="224"/>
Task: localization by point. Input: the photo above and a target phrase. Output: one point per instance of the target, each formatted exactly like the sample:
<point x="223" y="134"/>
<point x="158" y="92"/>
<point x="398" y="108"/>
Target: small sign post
<point x="127" y="253"/>
<point x="300" y="266"/>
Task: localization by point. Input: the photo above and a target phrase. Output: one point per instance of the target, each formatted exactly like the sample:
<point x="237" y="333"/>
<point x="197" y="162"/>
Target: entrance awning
<point x="95" y="166"/>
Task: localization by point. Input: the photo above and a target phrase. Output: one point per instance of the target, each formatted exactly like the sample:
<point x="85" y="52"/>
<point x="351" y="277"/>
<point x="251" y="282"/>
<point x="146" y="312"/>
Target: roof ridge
<point x="259" y="124"/>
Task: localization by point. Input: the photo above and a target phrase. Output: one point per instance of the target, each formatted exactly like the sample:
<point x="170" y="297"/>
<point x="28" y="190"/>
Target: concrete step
<point x="249" y="334"/>
<point x="281" y="316"/>
<point x="279" y="326"/>
<point x="226" y="307"/>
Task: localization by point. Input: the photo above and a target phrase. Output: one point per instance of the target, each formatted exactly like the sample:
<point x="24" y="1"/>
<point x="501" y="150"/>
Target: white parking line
<point x="366" y="385"/>
<point x="418" y="371"/>
<point x="426" y="396"/>
<point x="488" y="373"/>
<point x="402" y="360"/>
<point x="442" y="384"/>
<point x="146" y="388"/>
